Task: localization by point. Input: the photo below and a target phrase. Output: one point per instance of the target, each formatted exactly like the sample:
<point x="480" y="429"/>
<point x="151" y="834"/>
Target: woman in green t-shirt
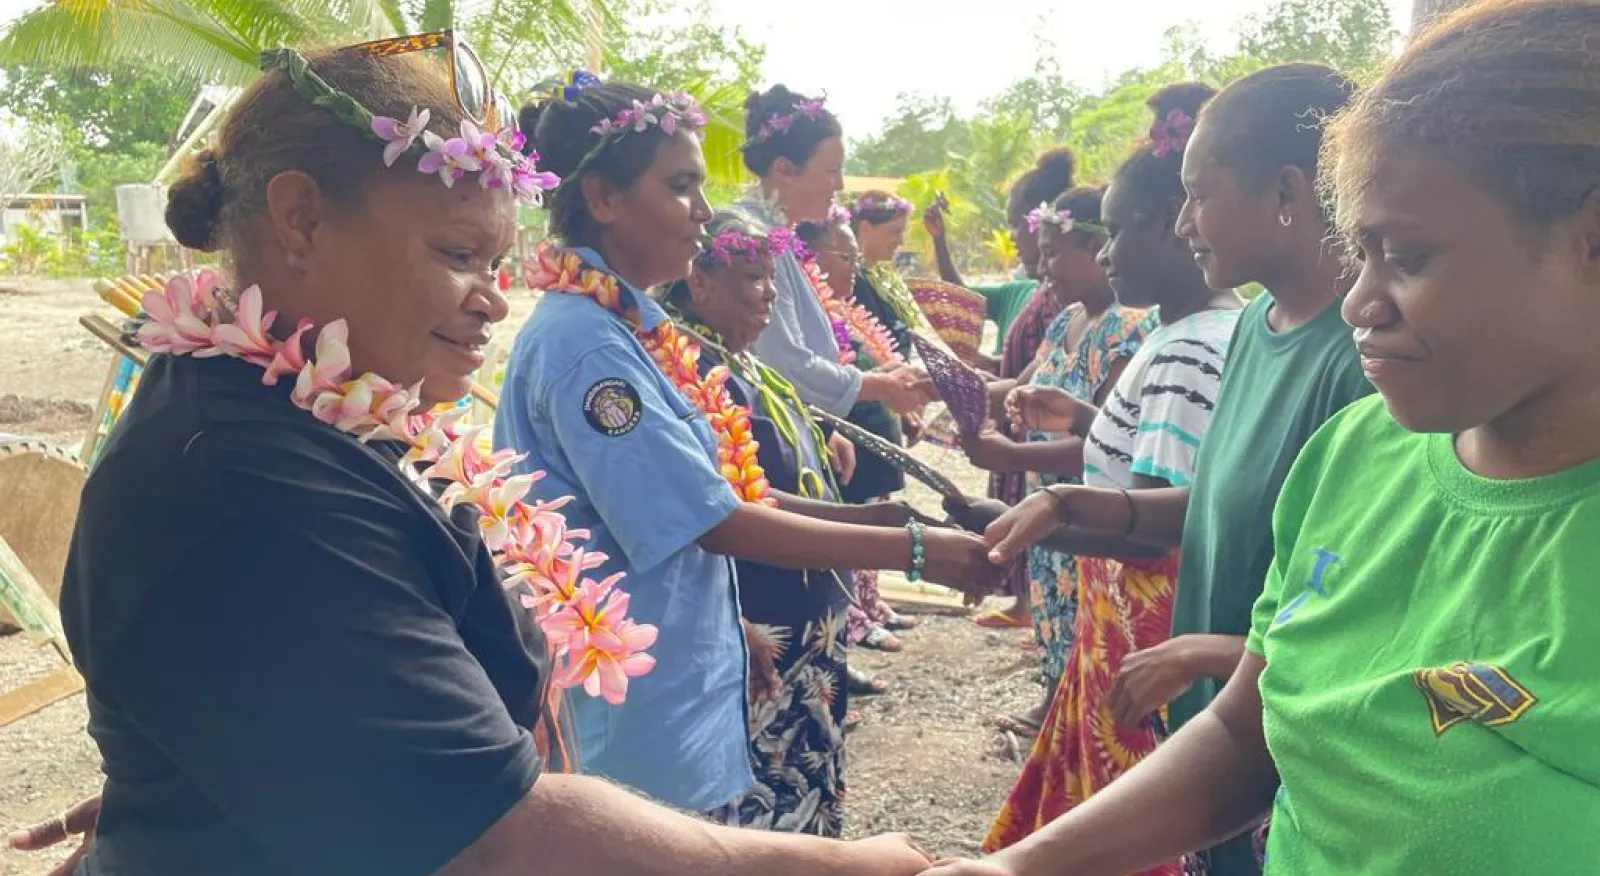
<point x="1251" y="215"/>
<point x="1420" y="673"/>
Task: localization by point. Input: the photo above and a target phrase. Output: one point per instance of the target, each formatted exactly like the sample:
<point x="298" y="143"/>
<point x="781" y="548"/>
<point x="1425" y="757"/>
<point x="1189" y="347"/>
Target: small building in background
<point x="53" y="215"/>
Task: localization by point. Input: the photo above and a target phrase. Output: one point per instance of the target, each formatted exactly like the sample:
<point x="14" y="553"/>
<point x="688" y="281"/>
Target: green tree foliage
<point x="976" y="158"/>
<point x="673" y="48"/>
<point x="128" y="105"/>
<point x="923" y="132"/>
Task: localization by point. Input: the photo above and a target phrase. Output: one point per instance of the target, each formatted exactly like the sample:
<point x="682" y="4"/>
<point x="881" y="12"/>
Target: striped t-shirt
<point x="1161" y="407"/>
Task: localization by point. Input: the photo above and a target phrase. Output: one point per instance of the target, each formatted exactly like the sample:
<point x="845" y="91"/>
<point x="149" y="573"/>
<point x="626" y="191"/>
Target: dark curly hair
<point x="1152" y="176"/>
<point x="797" y="143"/>
<point x="1274" y="117"/>
<point x="561" y="130"/>
<point x="1509" y="91"/>
<point x="1052" y="174"/>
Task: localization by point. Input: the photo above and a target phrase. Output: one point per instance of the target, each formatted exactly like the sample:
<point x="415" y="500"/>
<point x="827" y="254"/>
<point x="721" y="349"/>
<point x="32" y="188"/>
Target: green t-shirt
<point x="1004" y="300"/>
<point x="1432" y="639"/>
<point x="1277" y="389"/>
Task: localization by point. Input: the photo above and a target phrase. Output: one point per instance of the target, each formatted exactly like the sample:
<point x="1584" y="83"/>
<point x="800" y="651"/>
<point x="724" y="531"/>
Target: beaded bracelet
<point x="918" y="550"/>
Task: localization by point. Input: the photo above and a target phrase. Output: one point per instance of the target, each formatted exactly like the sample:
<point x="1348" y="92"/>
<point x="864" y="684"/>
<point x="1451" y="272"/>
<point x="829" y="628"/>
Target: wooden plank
<point x="36" y="695"/>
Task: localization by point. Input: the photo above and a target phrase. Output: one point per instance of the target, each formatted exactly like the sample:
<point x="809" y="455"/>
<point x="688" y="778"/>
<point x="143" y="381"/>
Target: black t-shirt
<point x="296" y="662"/>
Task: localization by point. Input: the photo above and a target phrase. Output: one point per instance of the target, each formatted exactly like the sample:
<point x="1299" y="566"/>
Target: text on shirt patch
<point x="612" y="407"/>
<point x="1326" y="559"/>
<point x="1472" y="692"/>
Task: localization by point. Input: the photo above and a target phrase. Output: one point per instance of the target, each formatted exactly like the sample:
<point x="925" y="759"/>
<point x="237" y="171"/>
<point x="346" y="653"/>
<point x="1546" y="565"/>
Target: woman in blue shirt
<point x="605" y="395"/>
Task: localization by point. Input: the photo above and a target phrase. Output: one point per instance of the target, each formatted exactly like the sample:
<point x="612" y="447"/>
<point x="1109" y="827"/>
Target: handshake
<point x="904" y="389"/>
<point x="895" y="854"/>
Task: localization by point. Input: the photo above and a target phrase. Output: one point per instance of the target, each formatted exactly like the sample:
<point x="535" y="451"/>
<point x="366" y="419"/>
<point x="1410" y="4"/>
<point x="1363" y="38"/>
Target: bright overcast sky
<point x="864" y="53"/>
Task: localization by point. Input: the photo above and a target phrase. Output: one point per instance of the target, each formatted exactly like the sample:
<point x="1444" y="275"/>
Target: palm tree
<point x="219" y="41"/>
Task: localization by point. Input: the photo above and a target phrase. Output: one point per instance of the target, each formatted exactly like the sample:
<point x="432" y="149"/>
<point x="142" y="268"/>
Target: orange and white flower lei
<point x="862" y="325"/>
<point x="678" y="357"/>
<point x="592" y="642"/>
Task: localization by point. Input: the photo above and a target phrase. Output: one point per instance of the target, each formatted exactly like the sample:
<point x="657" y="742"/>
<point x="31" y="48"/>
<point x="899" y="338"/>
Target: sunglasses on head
<point x="486" y="107"/>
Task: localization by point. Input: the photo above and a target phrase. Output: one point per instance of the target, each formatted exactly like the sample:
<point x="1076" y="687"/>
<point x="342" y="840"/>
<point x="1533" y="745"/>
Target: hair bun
<point x="1057" y="168"/>
<point x="1185" y="97"/>
<point x="194" y="203"/>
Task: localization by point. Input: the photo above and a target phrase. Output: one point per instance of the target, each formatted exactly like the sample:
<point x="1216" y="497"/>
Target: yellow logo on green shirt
<point x="1472" y="692"/>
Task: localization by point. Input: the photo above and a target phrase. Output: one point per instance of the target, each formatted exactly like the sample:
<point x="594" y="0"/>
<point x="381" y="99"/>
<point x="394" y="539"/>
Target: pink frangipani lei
<point x="593" y="643"/>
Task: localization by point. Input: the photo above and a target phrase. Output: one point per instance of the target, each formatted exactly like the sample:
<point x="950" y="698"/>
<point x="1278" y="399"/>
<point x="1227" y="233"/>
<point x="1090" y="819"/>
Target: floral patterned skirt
<point x="1053" y="601"/>
<point x="1122" y="607"/>
<point x="797" y="740"/>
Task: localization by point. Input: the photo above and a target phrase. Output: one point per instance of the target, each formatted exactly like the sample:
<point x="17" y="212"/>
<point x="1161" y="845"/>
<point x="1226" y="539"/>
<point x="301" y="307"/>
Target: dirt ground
<point x="923" y="761"/>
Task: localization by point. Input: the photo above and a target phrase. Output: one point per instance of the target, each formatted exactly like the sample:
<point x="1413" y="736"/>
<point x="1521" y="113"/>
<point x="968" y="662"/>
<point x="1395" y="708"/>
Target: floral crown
<point x="882" y="204"/>
<point x="1044" y="214"/>
<point x="1170" y="133"/>
<point x="838" y="214"/>
<point x="780" y="123"/>
<point x="732" y="242"/>
<point x="497" y="157"/>
<point x="666" y="111"/>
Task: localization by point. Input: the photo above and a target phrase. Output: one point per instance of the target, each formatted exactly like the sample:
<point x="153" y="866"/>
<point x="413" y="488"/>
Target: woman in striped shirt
<point x="1144" y="436"/>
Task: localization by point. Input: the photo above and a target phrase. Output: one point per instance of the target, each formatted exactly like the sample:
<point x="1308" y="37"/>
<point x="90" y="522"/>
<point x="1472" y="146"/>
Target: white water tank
<point x="141" y="211"/>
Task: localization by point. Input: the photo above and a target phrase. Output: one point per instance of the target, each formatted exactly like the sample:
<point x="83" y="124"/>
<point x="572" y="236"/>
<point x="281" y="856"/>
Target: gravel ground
<point x="923" y="761"/>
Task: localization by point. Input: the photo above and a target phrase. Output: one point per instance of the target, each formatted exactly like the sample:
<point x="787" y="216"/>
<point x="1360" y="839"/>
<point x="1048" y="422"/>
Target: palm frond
<point x="524" y="37"/>
<point x="208" y="41"/>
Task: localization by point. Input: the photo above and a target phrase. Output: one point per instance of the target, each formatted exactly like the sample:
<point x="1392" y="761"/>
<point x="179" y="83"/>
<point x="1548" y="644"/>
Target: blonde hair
<point x="1508" y="90"/>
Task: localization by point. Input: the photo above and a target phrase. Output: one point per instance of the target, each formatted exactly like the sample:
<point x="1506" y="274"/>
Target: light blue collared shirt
<point x="646" y="489"/>
<point x="799" y="342"/>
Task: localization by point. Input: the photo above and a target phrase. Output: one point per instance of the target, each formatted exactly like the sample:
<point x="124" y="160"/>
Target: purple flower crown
<point x="1044" y="214"/>
<point x="666" y="111"/>
<point x="780" y="123"/>
<point x="890" y="204"/>
<point x="497" y="157"/>
<point x="732" y="242"/>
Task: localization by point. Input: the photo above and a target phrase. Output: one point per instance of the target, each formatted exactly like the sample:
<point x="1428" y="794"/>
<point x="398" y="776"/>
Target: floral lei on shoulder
<point x="592" y="642"/>
<point x="851" y="321"/>
<point x="555" y="269"/>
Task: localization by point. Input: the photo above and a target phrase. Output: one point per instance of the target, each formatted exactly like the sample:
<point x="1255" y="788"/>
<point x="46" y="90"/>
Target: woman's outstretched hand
<point x="960" y="560"/>
<point x="968" y="867"/>
<point x="1025" y="524"/>
<point x="77" y="821"/>
<point x="889" y="854"/>
<point x="1043" y="408"/>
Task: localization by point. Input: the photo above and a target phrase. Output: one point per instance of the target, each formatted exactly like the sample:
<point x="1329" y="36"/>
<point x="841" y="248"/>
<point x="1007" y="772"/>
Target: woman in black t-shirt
<point x="296" y="660"/>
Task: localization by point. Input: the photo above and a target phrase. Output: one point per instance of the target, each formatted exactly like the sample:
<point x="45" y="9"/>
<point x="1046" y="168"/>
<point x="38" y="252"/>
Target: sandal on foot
<point x="995" y="619"/>
<point x="1016" y="725"/>
<point x="898" y="622"/>
<point x="880" y="639"/>
<point x="860" y="684"/>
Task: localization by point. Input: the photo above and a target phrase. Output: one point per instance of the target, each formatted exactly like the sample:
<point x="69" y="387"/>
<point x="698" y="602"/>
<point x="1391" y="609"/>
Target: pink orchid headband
<point x="780" y="123"/>
<point x="497" y="157"/>
<point x="891" y="204"/>
<point x="666" y="111"/>
<point x="1044" y="214"/>
<point x="732" y="242"/>
<point x="1170" y="135"/>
